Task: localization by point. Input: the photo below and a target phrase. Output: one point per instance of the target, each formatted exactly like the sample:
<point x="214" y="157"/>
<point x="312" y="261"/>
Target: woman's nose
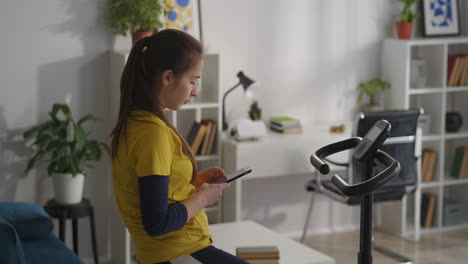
<point x="194" y="92"/>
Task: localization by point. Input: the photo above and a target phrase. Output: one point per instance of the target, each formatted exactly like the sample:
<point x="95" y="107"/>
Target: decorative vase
<point x="375" y="103"/>
<point x="371" y="108"/>
<point x="453" y="121"/>
<point x="404" y="30"/>
<point x="68" y="189"/>
<point x="136" y="36"/>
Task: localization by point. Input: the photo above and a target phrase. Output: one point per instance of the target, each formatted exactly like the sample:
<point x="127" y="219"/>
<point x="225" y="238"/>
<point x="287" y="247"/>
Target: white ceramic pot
<point x="68" y="189"/>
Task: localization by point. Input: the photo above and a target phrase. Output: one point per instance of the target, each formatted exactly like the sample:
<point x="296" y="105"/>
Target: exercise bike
<point x="366" y="151"/>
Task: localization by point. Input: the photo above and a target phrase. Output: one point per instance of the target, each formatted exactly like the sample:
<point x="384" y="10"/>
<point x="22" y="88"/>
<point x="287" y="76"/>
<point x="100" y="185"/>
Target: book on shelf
<point x="459" y="168"/>
<point x="201" y="137"/>
<point x="207" y="147"/>
<point x="464" y="166"/>
<point x="428" y="165"/>
<point x="206" y="139"/>
<point x="258" y="253"/>
<point x="428" y="203"/>
<point x="450" y="66"/>
<point x="195" y="146"/>
<point x="192" y="133"/>
<point x="464" y="72"/>
<point x="211" y="140"/>
<point x="457" y="70"/>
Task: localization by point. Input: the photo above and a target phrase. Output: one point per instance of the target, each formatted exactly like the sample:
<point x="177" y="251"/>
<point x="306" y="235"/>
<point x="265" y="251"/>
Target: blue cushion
<point x="11" y="250"/>
<point x="29" y="220"/>
<point x="50" y="250"/>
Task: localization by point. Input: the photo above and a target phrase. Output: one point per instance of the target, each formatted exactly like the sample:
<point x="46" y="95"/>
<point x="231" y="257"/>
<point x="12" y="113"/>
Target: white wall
<point x="51" y="48"/>
<point x="308" y="55"/>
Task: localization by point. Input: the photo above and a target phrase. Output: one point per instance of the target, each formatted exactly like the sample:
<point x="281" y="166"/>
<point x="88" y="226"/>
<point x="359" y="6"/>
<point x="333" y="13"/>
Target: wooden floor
<point x="440" y="248"/>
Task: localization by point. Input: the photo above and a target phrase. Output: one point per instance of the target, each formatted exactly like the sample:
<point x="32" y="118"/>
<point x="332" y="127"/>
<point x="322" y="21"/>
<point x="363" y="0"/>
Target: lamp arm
<point x="225" y="126"/>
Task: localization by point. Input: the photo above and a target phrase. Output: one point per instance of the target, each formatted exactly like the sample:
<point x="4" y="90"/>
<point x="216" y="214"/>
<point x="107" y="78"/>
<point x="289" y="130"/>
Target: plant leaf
<point x="63" y="108"/>
<point x="105" y="147"/>
<point x="80" y="137"/>
<point x="43" y="140"/>
<point x="31" y="163"/>
<point x="35" y="129"/>
<point x="88" y="117"/>
<point x="50" y="168"/>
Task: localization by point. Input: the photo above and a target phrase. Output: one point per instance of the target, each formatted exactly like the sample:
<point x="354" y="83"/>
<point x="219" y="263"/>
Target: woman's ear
<point x="167" y="77"/>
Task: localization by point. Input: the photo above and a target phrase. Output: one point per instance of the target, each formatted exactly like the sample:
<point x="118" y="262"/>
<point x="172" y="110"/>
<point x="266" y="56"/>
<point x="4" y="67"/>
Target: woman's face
<point x="177" y="90"/>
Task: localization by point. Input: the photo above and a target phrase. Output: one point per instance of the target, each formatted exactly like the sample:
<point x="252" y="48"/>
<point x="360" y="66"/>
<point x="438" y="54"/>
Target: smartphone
<point x="237" y="174"/>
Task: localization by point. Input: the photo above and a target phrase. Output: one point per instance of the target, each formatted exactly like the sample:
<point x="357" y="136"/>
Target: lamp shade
<point x="244" y="80"/>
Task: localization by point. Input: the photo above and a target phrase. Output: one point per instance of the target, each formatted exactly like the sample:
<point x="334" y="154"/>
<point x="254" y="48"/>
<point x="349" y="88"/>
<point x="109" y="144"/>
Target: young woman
<point x="158" y="189"/>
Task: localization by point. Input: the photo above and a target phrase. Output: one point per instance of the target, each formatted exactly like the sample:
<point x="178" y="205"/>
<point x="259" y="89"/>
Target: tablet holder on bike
<point x="365" y="150"/>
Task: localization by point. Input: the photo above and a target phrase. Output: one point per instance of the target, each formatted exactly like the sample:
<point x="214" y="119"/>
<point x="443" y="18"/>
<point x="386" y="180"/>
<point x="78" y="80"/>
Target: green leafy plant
<point x="406" y="15"/>
<point x="371" y="88"/>
<point x="135" y="15"/>
<point x="255" y="111"/>
<point x="64" y="143"/>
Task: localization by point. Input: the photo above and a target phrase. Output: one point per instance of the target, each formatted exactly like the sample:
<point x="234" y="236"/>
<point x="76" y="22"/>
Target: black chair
<point x="400" y="144"/>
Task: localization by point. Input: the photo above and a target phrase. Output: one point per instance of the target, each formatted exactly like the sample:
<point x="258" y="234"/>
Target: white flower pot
<point x="68" y="189"/>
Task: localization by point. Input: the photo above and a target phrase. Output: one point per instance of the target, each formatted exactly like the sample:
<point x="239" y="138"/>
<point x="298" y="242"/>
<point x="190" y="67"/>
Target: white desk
<point x="228" y="236"/>
<point x="273" y="155"/>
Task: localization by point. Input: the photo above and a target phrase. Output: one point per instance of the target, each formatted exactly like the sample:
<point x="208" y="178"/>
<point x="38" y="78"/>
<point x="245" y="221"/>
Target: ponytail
<point x="127" y="82"/>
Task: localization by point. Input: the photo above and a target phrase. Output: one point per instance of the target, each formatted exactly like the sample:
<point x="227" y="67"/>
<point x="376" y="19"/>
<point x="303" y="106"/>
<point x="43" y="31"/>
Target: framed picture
<point x="440" y="17"/>
<point x="184" y="15"/>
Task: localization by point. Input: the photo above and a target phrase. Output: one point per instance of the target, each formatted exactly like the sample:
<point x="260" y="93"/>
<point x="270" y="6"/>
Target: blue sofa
<point x="26" y="237"/>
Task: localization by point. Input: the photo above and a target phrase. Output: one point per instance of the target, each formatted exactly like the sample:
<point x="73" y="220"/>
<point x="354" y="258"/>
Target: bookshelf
<point x="436" y="98"/>
<point x="206" y="106"/>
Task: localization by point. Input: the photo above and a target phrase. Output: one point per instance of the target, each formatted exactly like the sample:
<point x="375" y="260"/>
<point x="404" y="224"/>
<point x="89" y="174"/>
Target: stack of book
<point x="259" y="254"/>
<point x="285" y="125"/>
<point x="460" y="163"/>
<point x="428" y="166"/>
<point x="457" y="72"/>
<point x="428" y="205"/>
<point x="202" y="136"/>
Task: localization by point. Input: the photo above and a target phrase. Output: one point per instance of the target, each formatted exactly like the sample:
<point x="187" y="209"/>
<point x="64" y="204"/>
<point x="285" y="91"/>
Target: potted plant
<point x="255" y="111"/>
<point x="139" y="17"/>
<point x="65" y="145"/>
<point x="405" y="25"/>
<point x="372" y="88"/>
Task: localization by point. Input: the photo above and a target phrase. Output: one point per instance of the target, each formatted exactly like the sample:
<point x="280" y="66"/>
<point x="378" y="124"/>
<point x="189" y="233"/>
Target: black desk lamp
<point x="246" y="82"/>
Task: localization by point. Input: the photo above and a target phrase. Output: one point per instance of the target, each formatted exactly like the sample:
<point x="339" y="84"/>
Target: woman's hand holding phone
<point x="210" y="175"/>
<point x="212" y="192"/>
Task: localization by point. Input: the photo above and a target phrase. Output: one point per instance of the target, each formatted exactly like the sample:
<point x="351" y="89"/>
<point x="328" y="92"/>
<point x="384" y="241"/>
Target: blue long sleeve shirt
<point x="157" y="215"/>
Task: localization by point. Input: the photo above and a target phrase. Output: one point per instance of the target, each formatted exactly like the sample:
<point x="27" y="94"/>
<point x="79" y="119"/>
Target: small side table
<point x="73" y="212"/>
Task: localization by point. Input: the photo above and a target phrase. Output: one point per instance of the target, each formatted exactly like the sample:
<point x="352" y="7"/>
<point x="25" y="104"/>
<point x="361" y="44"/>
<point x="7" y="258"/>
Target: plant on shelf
<point x="139" y="17"/>
<point x="65" y="145"/>
<point x="372" y="88"/>
<point x="407" y="16"/>
<point x="255" y="112"/>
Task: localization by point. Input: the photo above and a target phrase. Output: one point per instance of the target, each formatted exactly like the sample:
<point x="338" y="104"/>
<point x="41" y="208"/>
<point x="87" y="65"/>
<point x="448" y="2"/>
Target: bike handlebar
<point x="392" y="168"/>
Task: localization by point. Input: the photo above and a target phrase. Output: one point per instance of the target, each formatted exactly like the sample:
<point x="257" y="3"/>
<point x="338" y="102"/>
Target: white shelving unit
<point x="436" y="99"/>
<point x="206" y="106"/>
